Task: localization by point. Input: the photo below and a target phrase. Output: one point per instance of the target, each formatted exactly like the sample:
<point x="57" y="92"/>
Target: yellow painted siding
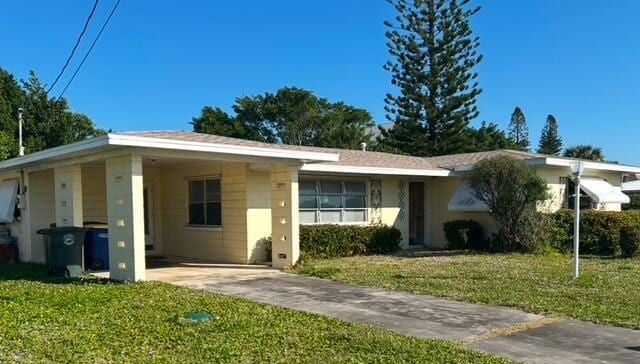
<point x="41" y="209"/>
<point x="442" y="190"/>
<point x="94" y="193"/>
<point x="258" y="196"/>
<point x="228" y="244"/>
<point x="557" y="190"/>
<point x="395" y="208"/>
<point x="153" y="181"/>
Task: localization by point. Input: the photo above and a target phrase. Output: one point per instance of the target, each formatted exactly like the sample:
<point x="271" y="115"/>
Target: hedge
<point x="330" y="241"/>
<point x="463" y="234"/>
<point x="606" y="233"/>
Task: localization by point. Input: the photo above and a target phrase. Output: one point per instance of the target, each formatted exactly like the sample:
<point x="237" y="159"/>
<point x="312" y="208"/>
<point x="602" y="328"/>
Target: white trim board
<point x="328" y="168"/>
<point x="107" y="140"/>
<point x="565" y="163"/>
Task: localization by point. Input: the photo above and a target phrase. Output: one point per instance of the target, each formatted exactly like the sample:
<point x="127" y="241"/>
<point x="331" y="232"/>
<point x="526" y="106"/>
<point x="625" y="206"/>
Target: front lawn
<point x="91" y="320"/>
<point x="607" y="292"/>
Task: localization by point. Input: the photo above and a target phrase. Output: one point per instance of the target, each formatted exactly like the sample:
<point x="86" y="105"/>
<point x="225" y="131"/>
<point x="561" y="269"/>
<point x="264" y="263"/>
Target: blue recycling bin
<point x="96" y="248"/>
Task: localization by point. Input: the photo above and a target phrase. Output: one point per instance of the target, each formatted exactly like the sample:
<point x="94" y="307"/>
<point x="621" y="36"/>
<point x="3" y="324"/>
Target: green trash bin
<point x="64" y="247"/>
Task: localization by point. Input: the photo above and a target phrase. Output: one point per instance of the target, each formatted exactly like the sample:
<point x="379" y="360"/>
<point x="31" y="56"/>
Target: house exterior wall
<point x="442" y="190"/>
<point x="41" y="210"/>
<point x="395" y="205"/>
<point x="557" y="188"/>
<point x="393" y="208"/>
<point x="94" y="195"/>
<point x="246" y="214"/>
<point x="258" y="214"/>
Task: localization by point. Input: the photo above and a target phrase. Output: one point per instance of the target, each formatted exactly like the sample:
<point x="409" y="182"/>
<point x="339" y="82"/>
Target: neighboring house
<point x="631" y="187"/>
<point x="208" y="197"/>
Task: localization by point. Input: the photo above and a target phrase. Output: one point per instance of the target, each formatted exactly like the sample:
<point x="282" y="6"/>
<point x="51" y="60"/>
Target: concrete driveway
<point x="498" y="330"/>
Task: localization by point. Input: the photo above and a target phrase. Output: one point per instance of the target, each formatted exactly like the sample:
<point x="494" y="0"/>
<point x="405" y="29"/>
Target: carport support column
<point x="125" y="210"/>
<point x="284" y="215"/>
<point x="68" y="195"/>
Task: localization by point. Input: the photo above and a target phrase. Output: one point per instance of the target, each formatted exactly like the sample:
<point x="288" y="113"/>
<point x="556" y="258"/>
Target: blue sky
<point x="159" y="62"/>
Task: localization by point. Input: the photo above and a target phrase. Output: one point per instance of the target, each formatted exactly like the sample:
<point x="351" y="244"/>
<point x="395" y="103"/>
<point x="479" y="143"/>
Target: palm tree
<point x="584" y="152"/>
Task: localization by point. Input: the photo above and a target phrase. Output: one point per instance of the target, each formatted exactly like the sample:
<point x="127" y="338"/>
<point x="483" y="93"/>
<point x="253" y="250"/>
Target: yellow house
<point x="215" y="198"/>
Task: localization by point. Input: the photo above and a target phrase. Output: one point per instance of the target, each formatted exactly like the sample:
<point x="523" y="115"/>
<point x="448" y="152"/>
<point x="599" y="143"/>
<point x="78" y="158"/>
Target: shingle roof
<point x="347" y="157"/>
<point x="452" y="160"/>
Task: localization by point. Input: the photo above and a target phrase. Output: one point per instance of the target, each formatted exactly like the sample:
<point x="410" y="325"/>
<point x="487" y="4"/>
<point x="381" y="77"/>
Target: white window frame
<point x="203" y="179"/>
<point x="342" y="209"/>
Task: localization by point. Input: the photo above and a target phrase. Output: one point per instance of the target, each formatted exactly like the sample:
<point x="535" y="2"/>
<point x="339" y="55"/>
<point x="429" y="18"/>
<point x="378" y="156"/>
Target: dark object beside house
<point x="8" y="250"/>
<point x="96" y="248"/>
<point x="64" y="247"/>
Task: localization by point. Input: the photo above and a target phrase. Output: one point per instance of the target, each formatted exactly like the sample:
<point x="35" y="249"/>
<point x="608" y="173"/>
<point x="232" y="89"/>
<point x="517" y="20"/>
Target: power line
<point x="75" y="47"/>
<point x="90" y="48"/>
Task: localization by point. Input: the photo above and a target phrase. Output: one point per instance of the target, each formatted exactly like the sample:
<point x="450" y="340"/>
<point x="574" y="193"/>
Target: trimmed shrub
<point x="384" y="240"/>
<point x="630" y="240"/>
<point x="330" y="241"/>
<point x="601" y="232"/>
<point x="463" y="234"/>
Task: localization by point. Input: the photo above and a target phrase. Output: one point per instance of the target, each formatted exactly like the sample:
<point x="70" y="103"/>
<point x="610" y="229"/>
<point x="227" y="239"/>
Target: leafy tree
<point x="518" y="130"/>
<point x="433" y="53"/>
<point x="11" y="98"/>
<point x="550" y="139"/>
<point x="487" y="137"/>
<point x="216" y="121"/>
<point x="48" y="122"/>
<point x="511" y="190"/>
<point x="290" y="116"/>
<point x="584" y="152"/>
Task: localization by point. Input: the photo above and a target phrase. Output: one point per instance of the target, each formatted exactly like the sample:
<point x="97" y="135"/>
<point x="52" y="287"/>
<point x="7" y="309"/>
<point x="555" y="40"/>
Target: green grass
<point x="91" y="320"/>
<point x="607" y="292"/>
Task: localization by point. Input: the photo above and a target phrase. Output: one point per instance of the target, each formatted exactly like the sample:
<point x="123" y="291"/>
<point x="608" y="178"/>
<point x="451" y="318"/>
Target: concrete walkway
<point x="498" y="330"/>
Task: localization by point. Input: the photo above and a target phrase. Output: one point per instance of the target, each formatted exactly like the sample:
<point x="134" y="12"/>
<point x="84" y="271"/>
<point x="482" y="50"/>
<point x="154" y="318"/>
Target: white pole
<point x="576" y="230"/>
<point x="20" y="122"/>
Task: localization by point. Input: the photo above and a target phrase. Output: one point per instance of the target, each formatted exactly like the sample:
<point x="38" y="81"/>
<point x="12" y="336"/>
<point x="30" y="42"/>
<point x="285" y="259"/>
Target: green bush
<point x="510" y="189"/>
<point x="329" y="241"/>
<point x="630" y="240"/>
<point x="601" y="232"/>
<point x="463" y="234"/>
<point x="384" y="240"/>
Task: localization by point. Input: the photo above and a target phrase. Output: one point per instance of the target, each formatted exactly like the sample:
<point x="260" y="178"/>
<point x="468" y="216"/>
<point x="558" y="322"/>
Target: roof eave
<point x="56" y="152"/>
<point x="69" y="150"/>
<point x="589" y="165"/>
<point x="160" y="143"/>
<point x="343" y="169"/>
<point x="560" y="162"/>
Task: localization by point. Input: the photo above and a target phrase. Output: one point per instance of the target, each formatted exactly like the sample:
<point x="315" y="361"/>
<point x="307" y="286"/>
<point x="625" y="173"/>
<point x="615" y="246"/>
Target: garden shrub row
<point x="330" y="241"/>
<point x="601" y="232"/>
<point x="604" y="233"/>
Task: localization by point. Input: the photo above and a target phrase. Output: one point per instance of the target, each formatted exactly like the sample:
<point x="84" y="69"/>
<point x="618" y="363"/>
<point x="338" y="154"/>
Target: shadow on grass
<point x="424" y="253"/>
<point x="38" y="273"/>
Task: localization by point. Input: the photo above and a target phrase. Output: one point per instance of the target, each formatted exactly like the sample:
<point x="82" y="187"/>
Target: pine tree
<point x="518" y="130"/>
<point x="433" y="53"/>
<point x="550" y="140"/>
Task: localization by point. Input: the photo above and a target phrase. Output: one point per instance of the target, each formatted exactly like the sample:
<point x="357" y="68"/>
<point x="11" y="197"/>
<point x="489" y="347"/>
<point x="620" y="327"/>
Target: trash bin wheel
<point x="97" y="264"/>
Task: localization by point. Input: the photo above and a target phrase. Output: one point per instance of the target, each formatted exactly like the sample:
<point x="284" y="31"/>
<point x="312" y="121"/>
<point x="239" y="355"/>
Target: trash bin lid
<point x="61" y="230"/>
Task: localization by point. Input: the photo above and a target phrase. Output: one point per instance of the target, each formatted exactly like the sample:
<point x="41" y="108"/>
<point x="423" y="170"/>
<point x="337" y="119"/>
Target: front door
<point x="416" y="213"/>
<point x="149" y="244"/>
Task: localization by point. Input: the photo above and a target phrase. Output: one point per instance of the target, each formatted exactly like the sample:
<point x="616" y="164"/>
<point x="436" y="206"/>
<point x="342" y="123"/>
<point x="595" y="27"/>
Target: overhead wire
<point x="104" y="26"/>
<point x="75" y="46"/>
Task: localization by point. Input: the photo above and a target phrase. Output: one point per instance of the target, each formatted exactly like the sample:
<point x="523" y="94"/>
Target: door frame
<point x="425" y="214"/>
<point x="150" y="238"/>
